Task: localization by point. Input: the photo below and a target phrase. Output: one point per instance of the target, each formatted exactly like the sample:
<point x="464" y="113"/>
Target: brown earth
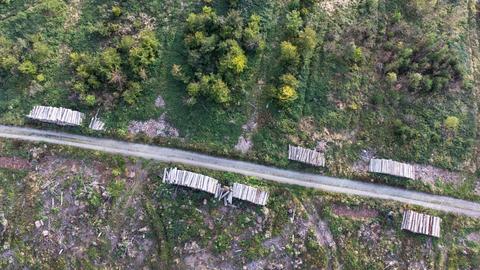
<point x="356" y="213"/>
<point x="14" y="163"/>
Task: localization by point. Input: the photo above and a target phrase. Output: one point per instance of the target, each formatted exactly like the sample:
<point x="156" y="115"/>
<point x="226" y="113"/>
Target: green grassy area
<point x="381" y="75"/>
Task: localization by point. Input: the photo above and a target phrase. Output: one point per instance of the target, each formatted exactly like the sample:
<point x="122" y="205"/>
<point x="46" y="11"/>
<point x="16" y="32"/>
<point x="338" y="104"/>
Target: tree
<point x="145" y="53"/>
<point x="211" y="87"/>
<point x="307" y="39"/>
<point x="111" y="59"/>
<point x="289" y="53"/>
<point x="234" y="60"/>
<point x="290" y="80"/>
<point x="251" y="35"/>
<point x="27" y="68"/>
<point x="232" y="26"/>
<point x="286" y="95"/>
<point x="116" y="11"/>
<point x="206" y="21"/>
<point x="294" y="22"/>
<point x="414" y="80"/>
<point x="132" y="93"/>
<point x="90" y="100"/>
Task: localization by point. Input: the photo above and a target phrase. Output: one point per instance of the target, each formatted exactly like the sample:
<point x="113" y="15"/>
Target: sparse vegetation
<point x="151" y="224"/>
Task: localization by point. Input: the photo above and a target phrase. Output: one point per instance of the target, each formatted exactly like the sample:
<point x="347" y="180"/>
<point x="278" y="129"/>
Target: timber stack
<point x="59" y="116"/>
<point x="421" y="223"/>
<point x="192" y="180"/>
<point x="251" y="194"/>
<point x="395" y="168"/>
<point x="307" y="156"/>
<point x="96" y="124"/>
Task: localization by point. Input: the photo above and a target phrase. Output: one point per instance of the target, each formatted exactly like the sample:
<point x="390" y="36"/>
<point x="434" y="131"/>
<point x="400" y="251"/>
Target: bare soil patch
<point x="14" y="163"/>
<point x="160" y="102"/>
<point x="245" y="143"/>
<point x="430" y="174"/>
<point x="474" y="237"/>
<point x="477" y="189"/>
<point x="333" y="5"/>
<point x="356" y="213"/>
<point x="153" y="128"/>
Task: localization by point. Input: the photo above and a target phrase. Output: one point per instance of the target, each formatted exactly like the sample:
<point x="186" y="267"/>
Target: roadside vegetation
<point x="395" y="79"/>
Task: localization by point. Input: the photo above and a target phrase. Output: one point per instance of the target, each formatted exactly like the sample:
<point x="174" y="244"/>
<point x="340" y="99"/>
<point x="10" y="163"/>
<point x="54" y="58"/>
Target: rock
<point x="74" y="168"/>
<point x="160" y="102"/>
<point x="243" y="145"/>
<point x="143" y="230"/>
<point x="3" y="224"/>
<point x="38" y="224"/>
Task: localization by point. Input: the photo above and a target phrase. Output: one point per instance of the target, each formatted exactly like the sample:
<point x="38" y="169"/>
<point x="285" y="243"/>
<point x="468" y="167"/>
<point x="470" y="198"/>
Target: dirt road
<point x="326" y="183"/>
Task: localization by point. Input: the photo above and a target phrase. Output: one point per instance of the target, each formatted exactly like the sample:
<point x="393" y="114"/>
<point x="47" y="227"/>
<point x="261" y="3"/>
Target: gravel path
<point x="326" y="183"/>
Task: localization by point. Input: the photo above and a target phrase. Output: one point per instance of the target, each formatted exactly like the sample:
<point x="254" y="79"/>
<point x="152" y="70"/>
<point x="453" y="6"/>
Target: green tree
<point x="234" y="60"/>
<point x="232" y="26"/>
<point x="111" y="59"/>
<point x="286" y="95"/>
<point x="289" y="53"/>
<point x="307" y="39"/>
<point x="205" y="21"/>
<point x="90" y="100"/>
<point x="116" y="11"/>
<point x="415" y="80"/>
<point x="132" y="93"/>
<point x="214" y="88"/>
<point x="251" y="35"/>
<point x="290" y="80"/>
<point x="27" y="68"/>
<point x="294" y="22"/>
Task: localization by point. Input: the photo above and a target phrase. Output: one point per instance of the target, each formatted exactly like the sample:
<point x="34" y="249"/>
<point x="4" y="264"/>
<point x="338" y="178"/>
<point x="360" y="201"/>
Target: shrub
<point x="28" y="68"/>
<point x="392" y="77"/>
<point x="289" y="53"/>
<point x="234" y="60"/>
<point x="415" y="80"/>
<point x="451" y="123"/>
<point x="286" y="95"/>
<point x="294" y="22"/>
<point x="116" y="11"/>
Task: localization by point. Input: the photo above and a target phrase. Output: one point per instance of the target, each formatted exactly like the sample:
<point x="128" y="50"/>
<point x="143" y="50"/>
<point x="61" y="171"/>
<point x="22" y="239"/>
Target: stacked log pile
<point x="307" y="156"/>
<point x="96" y="124"/>
<point x="59" y="116"/>
<point x="251" y="194"/>
<point x="192" y="180"/>
<point x="386" y="166"/>
<point x="421" y="223"/>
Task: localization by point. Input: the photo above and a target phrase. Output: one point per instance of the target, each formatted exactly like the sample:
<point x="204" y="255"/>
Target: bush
<point x="451" y="123"/>
<point x="116" y="11"/>
<point x="289" y="53"/>
<point x="27" y="68"/>
<point x="286" y="95"/>
<point x="294" y="22"/>
<point x="391" y="77"/>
